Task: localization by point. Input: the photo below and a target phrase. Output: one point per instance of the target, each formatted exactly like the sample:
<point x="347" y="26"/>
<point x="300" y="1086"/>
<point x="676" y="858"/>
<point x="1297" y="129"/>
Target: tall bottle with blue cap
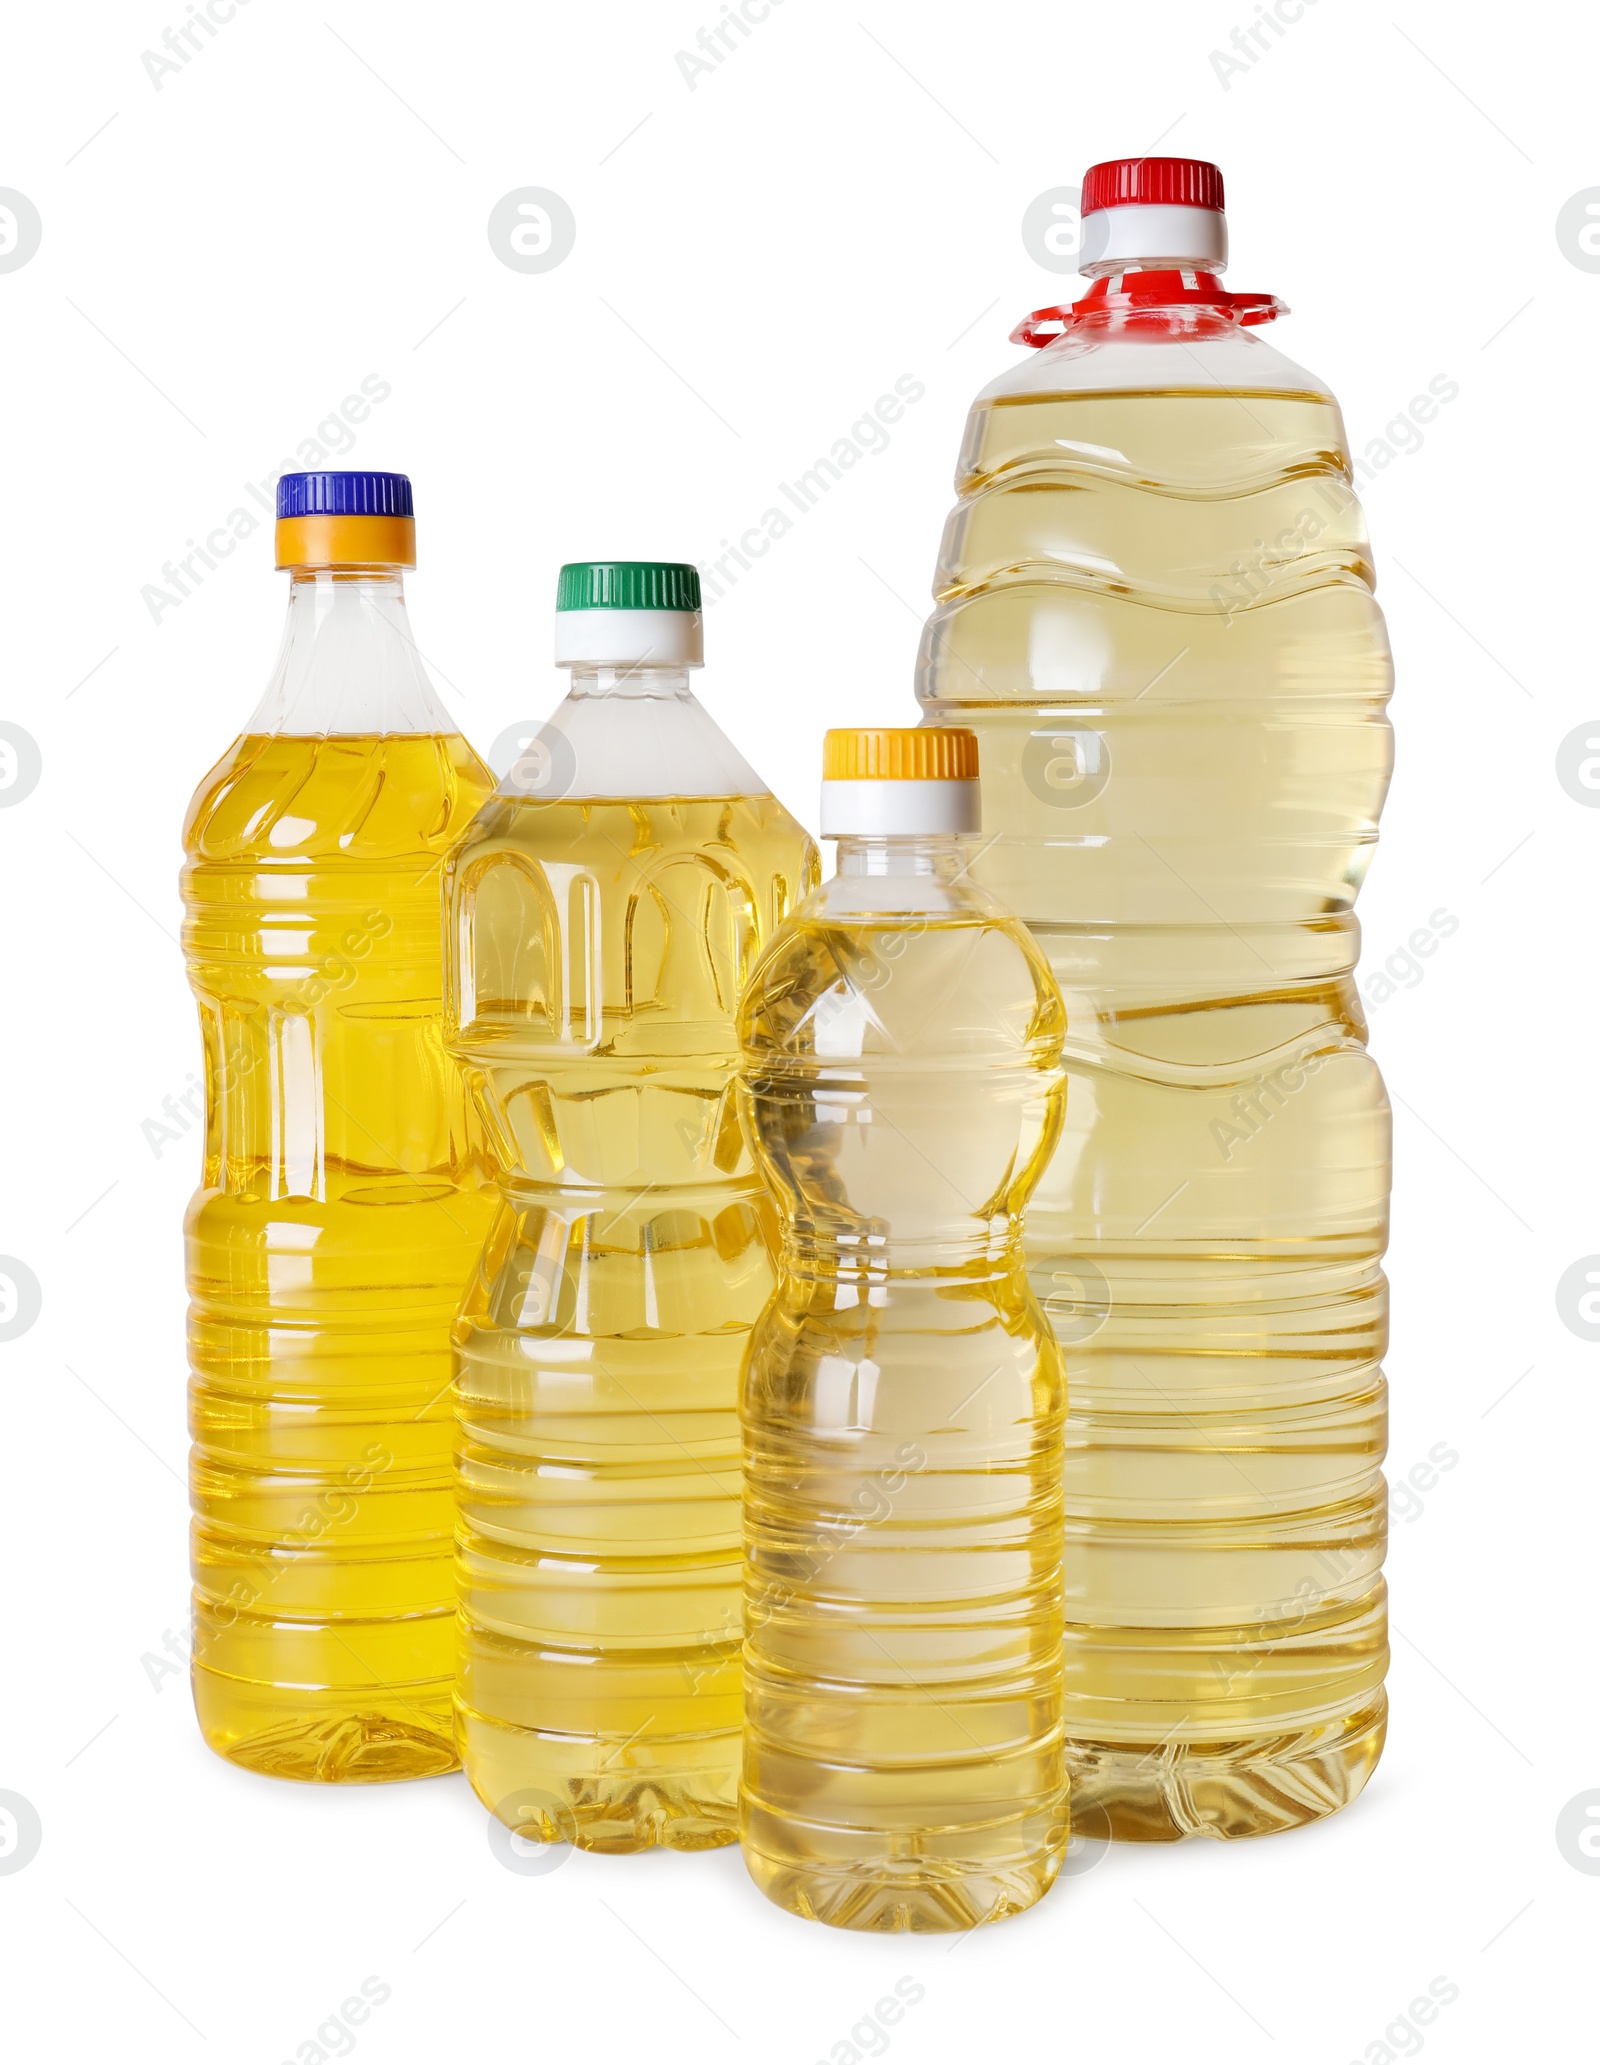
<point x="345" y="1188"/>
<point x="602" y="914"/>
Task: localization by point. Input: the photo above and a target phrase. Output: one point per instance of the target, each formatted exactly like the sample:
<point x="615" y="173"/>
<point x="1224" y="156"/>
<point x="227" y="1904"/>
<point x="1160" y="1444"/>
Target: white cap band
<point x="898" y="809"/>
<point x="1141" y="230"/>
<point x="629" y="638"/>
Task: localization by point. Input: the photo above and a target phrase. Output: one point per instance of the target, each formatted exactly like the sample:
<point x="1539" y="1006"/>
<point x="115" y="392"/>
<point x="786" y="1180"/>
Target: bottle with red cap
<point x="1155" y="608"/>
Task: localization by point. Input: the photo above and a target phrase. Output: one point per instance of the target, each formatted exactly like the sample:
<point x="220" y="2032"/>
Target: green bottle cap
<point x="628" y="584"/>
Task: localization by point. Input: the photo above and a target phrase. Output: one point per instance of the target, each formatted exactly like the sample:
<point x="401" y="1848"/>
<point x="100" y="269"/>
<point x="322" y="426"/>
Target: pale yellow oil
<point x="341" y="1209"/>
<point x="600" y="949"/>
<point x="902" y="1409"/>
<point x="1156" y="611"/>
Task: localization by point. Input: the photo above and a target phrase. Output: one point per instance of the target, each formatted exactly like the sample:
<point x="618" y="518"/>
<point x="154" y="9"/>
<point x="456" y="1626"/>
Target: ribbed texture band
<point x="937" y="754"/>
<point x="1174" y="182"/>
<point x="344" y="494"/>
<point x="628" y="584"/>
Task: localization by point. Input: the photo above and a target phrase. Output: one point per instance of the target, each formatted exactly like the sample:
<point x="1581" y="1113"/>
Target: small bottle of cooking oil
<point x="903" y="1395"/>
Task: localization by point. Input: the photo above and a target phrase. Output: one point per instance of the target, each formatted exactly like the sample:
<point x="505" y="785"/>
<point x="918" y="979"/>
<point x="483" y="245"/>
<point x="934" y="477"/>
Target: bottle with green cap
<point x="602" y="912"/>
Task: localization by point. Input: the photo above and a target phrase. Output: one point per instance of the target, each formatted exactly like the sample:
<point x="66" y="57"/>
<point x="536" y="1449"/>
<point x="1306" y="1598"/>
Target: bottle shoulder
<point x="335" y="797"/>
<point x="632" y="839"/>
<point x="1203" y="421"/>
<point x="1096" y="360"/>
<point x="854" y="974"/>
<point x="636" y="737"/>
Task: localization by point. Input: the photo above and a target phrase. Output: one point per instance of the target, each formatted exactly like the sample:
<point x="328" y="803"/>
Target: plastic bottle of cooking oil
<point x="603" y="911"/>
<point x="903" y="1398"/>
<point x="1155" y="608"/>
<point x="344" y="1191"/>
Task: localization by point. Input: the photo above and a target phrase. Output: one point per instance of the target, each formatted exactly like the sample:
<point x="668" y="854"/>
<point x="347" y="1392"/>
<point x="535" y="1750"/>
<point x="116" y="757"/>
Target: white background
<point x="758" y="257"/>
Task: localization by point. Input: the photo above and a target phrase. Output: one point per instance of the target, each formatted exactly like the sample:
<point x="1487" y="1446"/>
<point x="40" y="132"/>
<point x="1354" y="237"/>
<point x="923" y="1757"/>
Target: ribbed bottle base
<point x="886" y="1897"/>
<point x="1252" y="1786"/>
<point x="670" y="1793"/>
<point x="325" y="1735"/>
<point x="923" y="1872"/>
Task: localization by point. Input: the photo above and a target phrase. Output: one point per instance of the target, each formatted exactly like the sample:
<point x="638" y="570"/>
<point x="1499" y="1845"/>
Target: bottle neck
<point x="941" y="856"/>
<point x="348" y="662"/>
<point x="629" y="683"/>
<point x="1104" y="268"/>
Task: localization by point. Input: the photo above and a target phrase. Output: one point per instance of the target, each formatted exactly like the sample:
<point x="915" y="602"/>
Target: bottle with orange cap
<point x="1156" y="609"/>
<point x="343" y="1196"/>
<point x="902" y="1394"/>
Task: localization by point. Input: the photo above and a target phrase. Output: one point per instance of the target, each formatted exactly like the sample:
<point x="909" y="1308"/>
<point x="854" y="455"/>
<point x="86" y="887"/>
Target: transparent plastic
<point x="1155" y="608"/>
<point x="603" y="911"/>
<point x="342" y="1203"/>
<point x="902" y="1408"/>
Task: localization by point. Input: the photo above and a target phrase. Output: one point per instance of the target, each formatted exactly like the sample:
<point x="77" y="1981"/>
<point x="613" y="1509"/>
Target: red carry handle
<point x="1146" y="293"/>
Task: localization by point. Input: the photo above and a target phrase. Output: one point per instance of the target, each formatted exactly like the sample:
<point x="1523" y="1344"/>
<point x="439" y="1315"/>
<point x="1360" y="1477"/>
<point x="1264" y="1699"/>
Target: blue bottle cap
<point x="344" y="494"/>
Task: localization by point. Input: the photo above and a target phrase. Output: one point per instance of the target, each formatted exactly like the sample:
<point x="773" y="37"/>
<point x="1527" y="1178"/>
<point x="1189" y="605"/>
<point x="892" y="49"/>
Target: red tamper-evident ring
<point x="1162" y="182"/>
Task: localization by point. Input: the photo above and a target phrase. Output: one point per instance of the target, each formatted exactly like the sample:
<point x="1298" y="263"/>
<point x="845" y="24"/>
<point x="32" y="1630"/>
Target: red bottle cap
<point x="1162" y="182"/>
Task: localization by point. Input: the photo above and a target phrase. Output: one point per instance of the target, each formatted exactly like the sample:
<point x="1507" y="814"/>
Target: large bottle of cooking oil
<point x="603" y="911"/>
<point x="901" y="1047"/>
<point x="1155" y="608"/>
<point x="345" y="1191"/>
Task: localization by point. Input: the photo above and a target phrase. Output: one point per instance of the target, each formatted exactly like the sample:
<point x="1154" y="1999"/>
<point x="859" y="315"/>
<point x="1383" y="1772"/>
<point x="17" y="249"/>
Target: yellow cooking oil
<point x="341" y="1211"/>
<point x="903" y="1399"/>
<point x="1155" y="609"/>
<point x="598" y="947"/>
